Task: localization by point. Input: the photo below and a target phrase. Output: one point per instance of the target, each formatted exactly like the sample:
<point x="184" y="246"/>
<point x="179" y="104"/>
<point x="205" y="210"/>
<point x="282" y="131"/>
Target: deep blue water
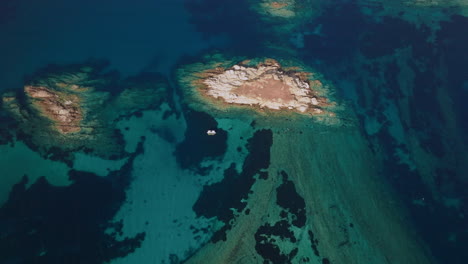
<point x="150" y="35"/>
<point x="49" y="224"/>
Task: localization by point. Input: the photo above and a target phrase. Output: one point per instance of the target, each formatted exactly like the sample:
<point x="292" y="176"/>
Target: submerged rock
<point x="283" y="8"/>
<point x="286" y="15"/>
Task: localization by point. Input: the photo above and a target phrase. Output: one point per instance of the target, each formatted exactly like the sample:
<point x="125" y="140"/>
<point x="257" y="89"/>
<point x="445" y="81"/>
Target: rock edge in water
<point x="69" y="108"/>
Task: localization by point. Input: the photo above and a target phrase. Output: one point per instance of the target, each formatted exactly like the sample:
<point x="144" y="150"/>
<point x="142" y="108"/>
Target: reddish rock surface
<point x="62" y="109"/>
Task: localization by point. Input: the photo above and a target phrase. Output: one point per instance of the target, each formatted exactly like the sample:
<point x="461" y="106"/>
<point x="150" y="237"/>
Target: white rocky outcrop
<point x="266" y="86"/>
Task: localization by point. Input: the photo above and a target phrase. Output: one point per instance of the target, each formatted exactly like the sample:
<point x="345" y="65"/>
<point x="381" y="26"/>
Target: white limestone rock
<point x="266" y="86"/>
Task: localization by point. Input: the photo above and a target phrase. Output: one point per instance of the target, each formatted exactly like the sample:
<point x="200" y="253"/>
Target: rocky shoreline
<point x="71" y="108"/>
<point x="264" y="86"/>
<point x="267" y="86"/>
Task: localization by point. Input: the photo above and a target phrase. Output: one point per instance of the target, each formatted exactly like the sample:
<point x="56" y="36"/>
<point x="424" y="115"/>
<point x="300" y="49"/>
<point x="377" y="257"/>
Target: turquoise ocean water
<point x="176" y="193"/>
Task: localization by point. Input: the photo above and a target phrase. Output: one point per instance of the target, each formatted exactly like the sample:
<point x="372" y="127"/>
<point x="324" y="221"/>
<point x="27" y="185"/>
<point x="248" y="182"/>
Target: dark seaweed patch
<point x="266" y="246"/>
<point x="293" y="253"/>
<point x="217" y="199"/>
<point x="435" y="221"/>
<point x="341" y="26"/>
<point x="8" y="125"/>
<point x="424" y="101"/>
<point x="380" y="39"/>
<point x="452" y="39"/>
<point x="433" y="143"/>
<point x="437" y="65"/>
<point x="58" y="154"/>
<point x="263" y="175"/>
<point x="289" y="199"/>
<point x="197" y="145"/>
<point x="313" y="242"/>
<point x="391" y="76"/>
<point x="283" y="214"/>
<point x="49" y="224"/>
<point x="294" y="207"/>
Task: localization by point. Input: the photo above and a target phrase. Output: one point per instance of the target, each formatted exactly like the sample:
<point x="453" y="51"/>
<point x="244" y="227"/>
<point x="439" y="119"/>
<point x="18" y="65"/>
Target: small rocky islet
<point x="257" y="87"/>
<point x="70" y="108"/>
<point x="266" y="85"/>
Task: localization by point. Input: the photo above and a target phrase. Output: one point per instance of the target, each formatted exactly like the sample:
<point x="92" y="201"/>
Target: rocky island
<point x="266" y="86"/>
<point x="263" y="85"/>
<point x="75" y="107"/>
